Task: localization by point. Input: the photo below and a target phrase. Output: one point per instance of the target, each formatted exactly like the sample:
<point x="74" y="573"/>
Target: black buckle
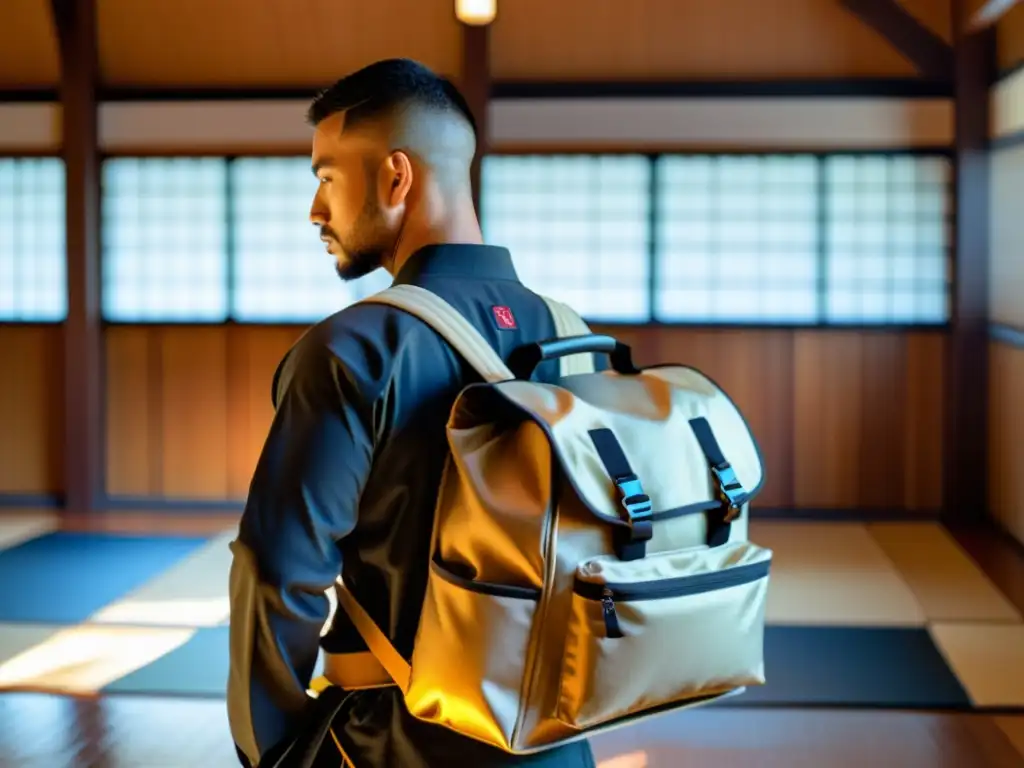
<point x="730" y="490"/>
<point x="639" y="511"/>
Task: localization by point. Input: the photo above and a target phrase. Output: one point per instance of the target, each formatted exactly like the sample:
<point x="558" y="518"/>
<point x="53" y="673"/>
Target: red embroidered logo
<point x="504" y="318"/>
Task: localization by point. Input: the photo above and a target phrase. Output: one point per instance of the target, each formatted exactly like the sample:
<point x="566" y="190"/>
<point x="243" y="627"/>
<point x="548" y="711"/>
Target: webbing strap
<point x="727" y="485"/>
<point x="374" y="638"/>
<point x="569" y="323"/>
<point x="630" y="543"/>
<point x="467" y="341"/>
<point x="446" y="320"/>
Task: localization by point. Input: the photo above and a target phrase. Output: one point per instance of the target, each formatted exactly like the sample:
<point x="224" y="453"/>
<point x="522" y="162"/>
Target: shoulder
<point x="357" y="346"/>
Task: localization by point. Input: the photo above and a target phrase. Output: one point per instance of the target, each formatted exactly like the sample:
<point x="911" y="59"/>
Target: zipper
<point x="611" y="618"/>
<point x="661" y="589"/>
<point x="485" y="587"/>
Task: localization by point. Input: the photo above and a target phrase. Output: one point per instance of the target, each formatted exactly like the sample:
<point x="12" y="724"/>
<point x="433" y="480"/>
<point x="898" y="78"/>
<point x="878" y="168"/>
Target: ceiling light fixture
<point x="476" y="13"/>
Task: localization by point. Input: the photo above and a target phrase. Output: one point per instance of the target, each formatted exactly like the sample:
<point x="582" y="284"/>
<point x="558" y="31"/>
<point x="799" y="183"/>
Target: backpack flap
<point x="664" y="457"/>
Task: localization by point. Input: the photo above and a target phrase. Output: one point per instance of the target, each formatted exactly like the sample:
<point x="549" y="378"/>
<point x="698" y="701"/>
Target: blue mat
<point x="198" y="668"/>
<point x="64" y="577"/>
<point x="854" y="667"/>
<point x="806" y="666"/>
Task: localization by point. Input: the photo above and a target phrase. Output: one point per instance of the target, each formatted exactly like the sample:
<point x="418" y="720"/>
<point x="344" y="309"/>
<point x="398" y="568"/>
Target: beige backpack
<point x="590" y="561"/>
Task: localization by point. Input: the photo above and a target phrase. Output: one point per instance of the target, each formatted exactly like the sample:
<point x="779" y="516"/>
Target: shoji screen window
<point x="737" y="239"/>
<point x="887" y="236"/>
<point x="33" y="281"/>
<point x="281" y="272"/>
<point x="165" y="249"/>
<point x="577" y="227"/>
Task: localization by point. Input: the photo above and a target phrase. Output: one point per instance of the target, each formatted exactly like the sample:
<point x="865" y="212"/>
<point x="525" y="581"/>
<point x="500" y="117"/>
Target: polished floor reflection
<point x="889" y="644"/>
<point x="46" y="731"/>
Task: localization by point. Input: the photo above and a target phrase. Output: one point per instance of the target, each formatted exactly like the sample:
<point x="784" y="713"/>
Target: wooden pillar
<point x="970" y="64"/>
<point x="966" y="474"/>
<point x="84" y="444"/>
<point x="476" y="87"/>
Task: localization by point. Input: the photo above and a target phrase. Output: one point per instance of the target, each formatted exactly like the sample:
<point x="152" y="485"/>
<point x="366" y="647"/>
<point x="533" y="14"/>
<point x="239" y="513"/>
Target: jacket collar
<point x="480" y="262"/>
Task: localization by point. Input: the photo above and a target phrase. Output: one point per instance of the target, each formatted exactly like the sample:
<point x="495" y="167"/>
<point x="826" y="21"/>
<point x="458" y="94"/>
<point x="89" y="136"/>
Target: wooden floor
<point x="135" y="731"/>
<point x="44" y="731"/>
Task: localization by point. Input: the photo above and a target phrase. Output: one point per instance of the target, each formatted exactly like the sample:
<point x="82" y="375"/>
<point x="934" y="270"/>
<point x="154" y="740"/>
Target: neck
<point x="445" y="222"/>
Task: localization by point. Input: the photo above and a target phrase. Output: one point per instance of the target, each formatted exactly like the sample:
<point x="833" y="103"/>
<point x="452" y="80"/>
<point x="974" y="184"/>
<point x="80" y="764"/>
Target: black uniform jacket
<point x="346" y="483"/>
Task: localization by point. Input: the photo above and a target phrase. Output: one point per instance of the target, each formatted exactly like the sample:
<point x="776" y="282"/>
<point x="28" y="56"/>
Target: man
<point x="349" y="474"/>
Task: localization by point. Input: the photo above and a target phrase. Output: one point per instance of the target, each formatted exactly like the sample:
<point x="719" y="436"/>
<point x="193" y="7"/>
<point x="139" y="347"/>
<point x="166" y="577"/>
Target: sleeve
<point x="302" y="501"/>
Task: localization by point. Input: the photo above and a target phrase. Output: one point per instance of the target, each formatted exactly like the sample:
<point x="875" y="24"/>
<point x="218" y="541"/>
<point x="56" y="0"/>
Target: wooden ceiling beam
<point x="84" y="443"/>
<point x="930" y="54"/>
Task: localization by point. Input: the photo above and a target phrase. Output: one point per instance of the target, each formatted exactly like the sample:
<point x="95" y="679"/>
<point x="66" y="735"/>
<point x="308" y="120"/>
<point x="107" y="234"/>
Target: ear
<point x="397" y="179"/>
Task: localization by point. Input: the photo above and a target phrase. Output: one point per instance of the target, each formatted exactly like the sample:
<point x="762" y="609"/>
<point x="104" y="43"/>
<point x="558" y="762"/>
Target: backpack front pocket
<point x="471" y="654"/>
<point x="673" y="626"/>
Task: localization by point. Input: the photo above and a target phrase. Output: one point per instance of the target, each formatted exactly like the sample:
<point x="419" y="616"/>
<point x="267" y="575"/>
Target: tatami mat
<point x="198" y="667"/>
<point x="947" y="583"/>
<point x="988" y="659"/>
<point x="16" y="639"/>
<point x="845" y="625"/>
<point x="65" y="577"/>
<point x="833" y="574"/>
<point x="639" y="758"/>
<point x="853" y="666"/>
<point x="86" y="658"/>
<point x="193" y="592"/>
<point x="17" y="527"/>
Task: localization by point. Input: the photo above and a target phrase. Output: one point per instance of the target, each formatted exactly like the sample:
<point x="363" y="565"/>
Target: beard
<point x="365" y="247"/>
<point x="358" y="263"/>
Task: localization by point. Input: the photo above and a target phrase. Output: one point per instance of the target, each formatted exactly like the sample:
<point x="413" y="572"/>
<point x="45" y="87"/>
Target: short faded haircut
<point x="382" y="88"/>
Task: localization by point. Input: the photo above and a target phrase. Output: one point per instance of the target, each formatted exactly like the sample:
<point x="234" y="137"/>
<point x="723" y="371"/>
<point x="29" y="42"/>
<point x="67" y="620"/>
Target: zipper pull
<point x="611" y="618"/>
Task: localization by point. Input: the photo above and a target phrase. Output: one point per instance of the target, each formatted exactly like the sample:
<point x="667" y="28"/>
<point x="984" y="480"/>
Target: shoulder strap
<point x="458" y="332"/>
<point x="446" y="320"/>
<point x="381" y="648"/>
<point x="569" y="323"/>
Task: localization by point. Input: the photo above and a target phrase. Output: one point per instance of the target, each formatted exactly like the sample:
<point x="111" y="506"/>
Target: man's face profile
<point x="347" y="207"/>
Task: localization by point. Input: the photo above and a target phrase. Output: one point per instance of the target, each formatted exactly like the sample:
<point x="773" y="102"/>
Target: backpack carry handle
<point x="526" y="358"/>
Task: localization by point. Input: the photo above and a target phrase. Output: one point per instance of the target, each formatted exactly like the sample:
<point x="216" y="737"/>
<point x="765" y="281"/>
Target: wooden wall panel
<point x="827" y="415"/>
<point x="882" y="381"/>
<point x="255" y="353"/>
<point x="1006" y="436"/>
<point x="194" y="409"/>
<point x="921" y="429"/>
<point x="868" y="420"/>
<point x="844" y="419"/>
<point x="31" y="410"/>
<point x="134" y="423"/>
<point x="188" y="408"/>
